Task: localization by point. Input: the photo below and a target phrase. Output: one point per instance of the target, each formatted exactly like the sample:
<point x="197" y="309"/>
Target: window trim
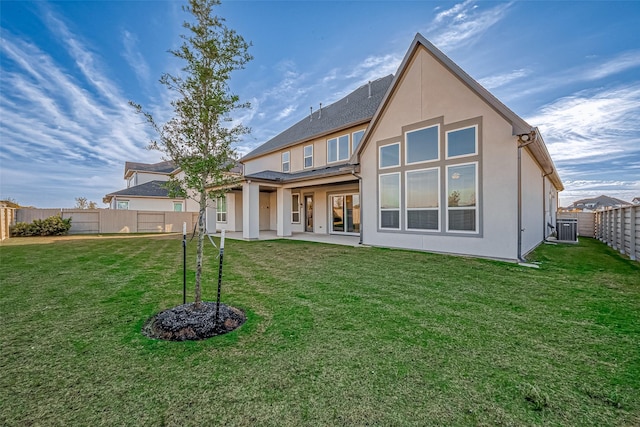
<point x="118" y="205"/>
<point x="380" y="167"/>
<point x="295" y="211"/>
<point x="398" y="209"/>
<point x="476" y="208"/>
<point x="354" y="148"/>
<point x="406" y="201"/>
<point x="305" y="157"/>
<point x="446" y="142"/>
<point x="406" y="148"/>
<point x="181" y="204"/>
<point x="337" y="139"/>
<point x="219" y="213"/>
<point x="287" y="162"/>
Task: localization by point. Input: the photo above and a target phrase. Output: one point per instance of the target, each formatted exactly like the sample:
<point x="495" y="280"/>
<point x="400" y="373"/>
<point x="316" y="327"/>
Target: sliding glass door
<point x="345" y="213"/>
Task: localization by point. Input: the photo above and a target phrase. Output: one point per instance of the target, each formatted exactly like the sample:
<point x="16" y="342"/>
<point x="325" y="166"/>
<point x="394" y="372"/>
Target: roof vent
<point x="320" y="112"/>
<point x="369" y="88"/>
<point x="311" y="115"/>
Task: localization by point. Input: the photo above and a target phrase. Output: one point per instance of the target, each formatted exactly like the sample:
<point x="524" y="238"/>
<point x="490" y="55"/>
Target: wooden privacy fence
<point x="620" y="229"/>
<point x="7" y="216"/>
<point x="99" y="221"/>
<point x="586" y="222"/>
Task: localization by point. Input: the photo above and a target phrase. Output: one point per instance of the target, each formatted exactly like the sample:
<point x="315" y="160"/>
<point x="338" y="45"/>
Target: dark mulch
<point x="186" y="322"/>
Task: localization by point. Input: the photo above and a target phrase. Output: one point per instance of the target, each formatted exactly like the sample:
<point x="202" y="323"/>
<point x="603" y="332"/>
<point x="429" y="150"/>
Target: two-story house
<point x="425" y="159"/>
<point x="145" y="189"/>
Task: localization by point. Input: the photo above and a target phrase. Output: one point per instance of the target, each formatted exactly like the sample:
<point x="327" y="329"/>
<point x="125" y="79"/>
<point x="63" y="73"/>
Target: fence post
<point x="623" y="238"/>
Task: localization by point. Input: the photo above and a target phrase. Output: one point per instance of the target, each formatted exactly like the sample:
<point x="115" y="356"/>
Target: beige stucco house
<point x="145" y="189"/>
<point x="425" y="159"/>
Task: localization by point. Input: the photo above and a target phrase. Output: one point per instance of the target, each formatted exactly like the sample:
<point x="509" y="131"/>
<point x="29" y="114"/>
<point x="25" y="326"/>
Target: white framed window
<point x="462" y="142"/>
<point x="221" y="209"/>
<point x="286" y="164"/>
<point x="389" y="156"/>
<point x="178" y="206"/>
<point x="356" y="137"/>
<point x="308" y="156"/>
<point x="422" y="145"/>
<point x="123" y="205"/>
<point x="462" y="195"/>
<point x="422" y="195"/>
<point x="389" y="196"/>
<point x="338" y="149"/>
<point x="295" y="208"/>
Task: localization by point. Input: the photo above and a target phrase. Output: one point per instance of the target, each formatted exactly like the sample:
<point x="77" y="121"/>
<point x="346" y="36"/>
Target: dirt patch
<point x="188" y="322"/>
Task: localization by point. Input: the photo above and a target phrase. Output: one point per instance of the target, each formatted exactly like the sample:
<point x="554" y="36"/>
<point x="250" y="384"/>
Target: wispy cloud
<point x="76" y="116"/>
<point x="493" y="82"/>
<point x="622" y="62"/>
<point x="463" y="23"/>
<point x="134" y="57"/>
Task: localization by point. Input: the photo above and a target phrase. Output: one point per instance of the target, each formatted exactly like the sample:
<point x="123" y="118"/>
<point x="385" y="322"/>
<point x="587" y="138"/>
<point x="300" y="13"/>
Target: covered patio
<point x="308" y="237"/>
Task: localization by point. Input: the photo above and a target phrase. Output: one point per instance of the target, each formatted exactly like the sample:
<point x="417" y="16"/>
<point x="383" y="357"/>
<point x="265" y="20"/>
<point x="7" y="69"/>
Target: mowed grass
<point x="335" y="336"/>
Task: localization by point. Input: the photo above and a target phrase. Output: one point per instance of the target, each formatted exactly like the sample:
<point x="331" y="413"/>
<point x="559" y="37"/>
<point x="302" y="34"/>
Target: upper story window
<point x="123" y="205"/>
<point x="389" y="156"/>
<point x="338" y="149"/>
<point x="308" y="156"/>
<point x="286" y="164"/>
<point x="462" y="142"/>
<point x="422" y="145"/>
<point x="356" y="137"/>
<point x="178" y="206"/>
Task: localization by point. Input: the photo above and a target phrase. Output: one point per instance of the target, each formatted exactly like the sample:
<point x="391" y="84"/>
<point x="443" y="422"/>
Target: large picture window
<point x="338" y="149"/>
<point x="390" y="201"/>
<point x="462" y="189"/>
<point x="422" y="198"/>
<point x="422" y="145"/>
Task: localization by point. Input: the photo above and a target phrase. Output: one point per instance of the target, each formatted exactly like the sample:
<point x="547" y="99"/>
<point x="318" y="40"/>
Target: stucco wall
<point x="428" y="91"/>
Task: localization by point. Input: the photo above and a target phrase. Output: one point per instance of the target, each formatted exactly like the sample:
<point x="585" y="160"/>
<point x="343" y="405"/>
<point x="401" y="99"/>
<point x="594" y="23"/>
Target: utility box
<point x="567" y="229"/>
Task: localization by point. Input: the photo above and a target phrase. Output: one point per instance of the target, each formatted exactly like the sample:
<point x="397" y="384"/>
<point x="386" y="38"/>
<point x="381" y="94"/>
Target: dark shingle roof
<point x="148" y="189"/>
<point x="350" y="110"/>
<point x="161" y="167"/>
<point x="268" y="175"/>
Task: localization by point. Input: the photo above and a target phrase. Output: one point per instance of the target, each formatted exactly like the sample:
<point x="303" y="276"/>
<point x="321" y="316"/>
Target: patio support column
<point x="283" y="212"/>
<point x="250" y="210"/>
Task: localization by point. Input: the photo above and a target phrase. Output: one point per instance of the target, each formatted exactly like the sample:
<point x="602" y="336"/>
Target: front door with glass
<point x="308" y="213"/>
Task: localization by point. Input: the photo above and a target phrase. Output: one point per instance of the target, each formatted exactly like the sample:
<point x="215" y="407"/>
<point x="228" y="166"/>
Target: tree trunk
<point x="201" y="230"/>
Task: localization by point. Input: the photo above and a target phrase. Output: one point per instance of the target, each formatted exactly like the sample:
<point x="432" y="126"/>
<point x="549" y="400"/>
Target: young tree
<point x="199" y="136"/>
<point x="83" y="203"/>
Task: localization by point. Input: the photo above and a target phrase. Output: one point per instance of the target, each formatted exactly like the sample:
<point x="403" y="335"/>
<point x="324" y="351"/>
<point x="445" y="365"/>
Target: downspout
<point x="523" y="140"/>
<point x="544" y="206"/>
<point x="361" y="204"/>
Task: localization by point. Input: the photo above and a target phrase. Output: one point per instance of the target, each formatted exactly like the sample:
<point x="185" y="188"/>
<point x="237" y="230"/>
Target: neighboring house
<point x="425" y="159"/>
<point x="636" y="201"/>
<point x="145" y="189"/>
<point x="595" y="204"/>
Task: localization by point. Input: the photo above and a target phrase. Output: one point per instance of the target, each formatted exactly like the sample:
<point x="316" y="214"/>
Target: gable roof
<point x="357" y="107"/>
<point x="519" y="126"/>
<point x="599" y="202"/>
<point x="148" y="189"/>
<point x="161" y="167"/>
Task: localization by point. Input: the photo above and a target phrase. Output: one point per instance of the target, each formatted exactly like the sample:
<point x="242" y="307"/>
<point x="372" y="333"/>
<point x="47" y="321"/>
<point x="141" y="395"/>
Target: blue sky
<point x="69" y="68"/>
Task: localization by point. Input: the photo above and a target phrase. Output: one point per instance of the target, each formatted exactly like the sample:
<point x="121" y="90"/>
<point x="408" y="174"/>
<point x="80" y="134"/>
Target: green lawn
<point x="334" y="336"/>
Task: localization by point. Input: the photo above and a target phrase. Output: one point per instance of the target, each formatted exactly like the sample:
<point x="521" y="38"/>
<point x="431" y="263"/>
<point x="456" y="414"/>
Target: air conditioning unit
<point x="567" y="229"/>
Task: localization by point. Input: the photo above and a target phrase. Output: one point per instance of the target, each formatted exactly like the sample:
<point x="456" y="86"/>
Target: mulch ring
<point x="188" y="322"/>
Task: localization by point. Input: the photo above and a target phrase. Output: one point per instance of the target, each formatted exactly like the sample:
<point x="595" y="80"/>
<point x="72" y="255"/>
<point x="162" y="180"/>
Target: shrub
<point x="52" y="226"/>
